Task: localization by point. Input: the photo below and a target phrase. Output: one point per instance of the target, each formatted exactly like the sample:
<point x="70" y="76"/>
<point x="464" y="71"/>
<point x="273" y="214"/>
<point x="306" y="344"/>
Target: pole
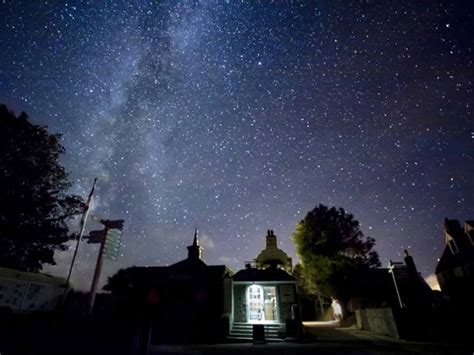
<point x="81" y="233"/>
<point x="392" y="271"/>
<point x="98" y="270"/>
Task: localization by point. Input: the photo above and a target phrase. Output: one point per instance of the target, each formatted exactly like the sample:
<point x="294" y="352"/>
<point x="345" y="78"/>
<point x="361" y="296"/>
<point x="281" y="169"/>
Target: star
<point x="240" y="117"/>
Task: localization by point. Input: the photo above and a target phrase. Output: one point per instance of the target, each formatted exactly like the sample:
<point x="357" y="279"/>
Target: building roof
<point x="190" y="264"/>
<point x="270" y="274"/>
<point x="464" y="249"/>
<point x="453" y="230"/>
<point x="177" y="274"/>
<point x="449" y="260"/>
<point x="31" y="276"/>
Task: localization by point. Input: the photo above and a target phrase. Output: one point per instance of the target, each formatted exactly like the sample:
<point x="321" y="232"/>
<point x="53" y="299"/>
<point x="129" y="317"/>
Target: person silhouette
<point x="337" y="310"/>
<point x="261" y="314"/>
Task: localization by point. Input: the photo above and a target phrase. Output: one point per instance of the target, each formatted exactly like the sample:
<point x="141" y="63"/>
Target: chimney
<point x="410" y="263"/>
<point x="271" y="239"/>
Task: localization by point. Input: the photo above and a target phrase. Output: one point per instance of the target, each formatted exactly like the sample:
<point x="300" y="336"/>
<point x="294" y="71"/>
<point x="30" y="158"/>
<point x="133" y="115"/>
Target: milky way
<point x="237" y="117"/>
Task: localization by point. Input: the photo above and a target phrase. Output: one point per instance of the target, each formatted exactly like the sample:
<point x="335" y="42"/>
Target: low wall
<point x="377" y="320"/>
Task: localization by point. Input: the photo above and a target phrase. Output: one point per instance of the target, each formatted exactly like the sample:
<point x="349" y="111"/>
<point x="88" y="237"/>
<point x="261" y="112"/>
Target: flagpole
<point x="81" y="232"/>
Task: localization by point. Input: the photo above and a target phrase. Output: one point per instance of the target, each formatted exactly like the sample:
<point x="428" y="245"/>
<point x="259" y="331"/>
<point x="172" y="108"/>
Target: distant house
<point x="455" y="269"/>
<point x="392" y="301"/>
<point x="398" y="286"/>
<point x="189" y="301"/>
<point x="264" y="292"/>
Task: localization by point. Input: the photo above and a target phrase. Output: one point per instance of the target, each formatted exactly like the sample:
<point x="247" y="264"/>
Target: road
<point x="323" y="338"/>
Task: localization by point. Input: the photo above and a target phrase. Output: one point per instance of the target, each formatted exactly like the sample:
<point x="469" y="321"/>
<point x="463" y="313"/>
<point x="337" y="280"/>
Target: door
<point x="262" y="304"/>
<point x="255" y="304"/>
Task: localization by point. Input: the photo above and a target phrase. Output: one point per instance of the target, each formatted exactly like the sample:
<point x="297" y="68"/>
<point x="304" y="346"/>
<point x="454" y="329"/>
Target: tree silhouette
<point x="332" y="249"/>
<point x="34" y="204"/>
<point x="128" y="289"/>
<point x="121" y="282"/>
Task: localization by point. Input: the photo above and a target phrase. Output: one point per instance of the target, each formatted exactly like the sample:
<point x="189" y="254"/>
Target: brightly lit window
<point x="262" y="304"/>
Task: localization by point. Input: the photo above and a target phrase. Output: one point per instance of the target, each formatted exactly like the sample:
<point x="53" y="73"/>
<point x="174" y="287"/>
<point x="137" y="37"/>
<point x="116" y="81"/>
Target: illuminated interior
<point x="261" y="304"/>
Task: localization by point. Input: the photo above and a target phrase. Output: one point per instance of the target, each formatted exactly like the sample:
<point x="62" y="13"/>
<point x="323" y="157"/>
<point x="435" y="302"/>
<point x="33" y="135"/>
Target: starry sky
<point x="238" y="117"/>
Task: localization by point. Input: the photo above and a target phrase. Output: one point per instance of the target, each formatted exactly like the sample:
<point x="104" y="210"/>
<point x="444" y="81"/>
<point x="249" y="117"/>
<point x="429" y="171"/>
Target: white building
<point x="26" y="291"/>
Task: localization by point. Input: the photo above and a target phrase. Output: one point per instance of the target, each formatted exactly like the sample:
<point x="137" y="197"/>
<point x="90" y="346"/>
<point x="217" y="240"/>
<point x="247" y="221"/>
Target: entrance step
<point x="244" y="331"/>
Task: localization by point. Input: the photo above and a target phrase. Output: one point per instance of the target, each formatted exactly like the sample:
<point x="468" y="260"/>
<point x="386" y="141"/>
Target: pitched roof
<point x="190" y="264"/>
<point x="270" y="274"/>
<point x="449" y="260"/>
<point x="465" y="250"/>
<point x="454" y="230"/>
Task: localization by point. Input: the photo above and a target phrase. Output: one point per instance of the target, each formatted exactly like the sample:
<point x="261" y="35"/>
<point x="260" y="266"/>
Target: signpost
<point x="83" y="222"/>
<point x="109" y="240"/>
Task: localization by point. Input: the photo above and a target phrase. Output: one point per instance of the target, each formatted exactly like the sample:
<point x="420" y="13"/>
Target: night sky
<point x="238" y="117"/>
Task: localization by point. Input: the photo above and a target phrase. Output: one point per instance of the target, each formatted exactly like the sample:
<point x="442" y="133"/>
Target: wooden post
<point x="83" y="222"/>
<point x="95" y="280"/>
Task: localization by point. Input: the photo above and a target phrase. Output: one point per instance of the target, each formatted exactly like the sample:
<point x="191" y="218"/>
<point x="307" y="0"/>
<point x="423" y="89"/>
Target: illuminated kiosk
<point x="264" y="293"/>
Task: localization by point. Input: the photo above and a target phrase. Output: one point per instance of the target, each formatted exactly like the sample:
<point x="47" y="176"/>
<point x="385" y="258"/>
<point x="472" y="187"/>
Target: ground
<point x="104" y="337"/>
<point x="325" y="337"/>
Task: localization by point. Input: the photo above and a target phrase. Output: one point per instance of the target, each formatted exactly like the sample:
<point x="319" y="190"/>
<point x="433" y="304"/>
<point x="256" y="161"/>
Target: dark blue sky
<point x="238" y="117"/>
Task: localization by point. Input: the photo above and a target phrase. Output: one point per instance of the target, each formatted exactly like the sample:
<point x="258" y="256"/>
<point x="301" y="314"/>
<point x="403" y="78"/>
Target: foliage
<point x="34" y="205"/>
<point x="332" y="249"/>
<point x="128" y="289"/>
<point x="120" y="282"/>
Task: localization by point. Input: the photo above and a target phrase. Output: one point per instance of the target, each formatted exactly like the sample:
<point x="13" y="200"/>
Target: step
<point x="244" y="331"/>
<point x="250" y="326"/>
<point x="267" y="334"/>
<point x="250" y="339"/>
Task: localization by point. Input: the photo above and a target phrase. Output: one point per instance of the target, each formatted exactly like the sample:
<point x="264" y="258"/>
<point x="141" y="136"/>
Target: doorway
<point x="262" y="304"/>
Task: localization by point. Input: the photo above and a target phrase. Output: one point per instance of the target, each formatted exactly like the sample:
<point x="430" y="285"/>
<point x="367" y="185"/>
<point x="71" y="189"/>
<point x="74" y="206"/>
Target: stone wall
<point x="377" y="320"/>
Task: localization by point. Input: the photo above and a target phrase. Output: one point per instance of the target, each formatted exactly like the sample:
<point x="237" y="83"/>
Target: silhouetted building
<point x="455" y="269"/>
<point x="273" y="256"/>
<point x="189" y="301"/>
<point x="265" y="294"/>
<point x="394" y="301"/>
<point x="398" y="286"/>
<point x="413" y="291"/>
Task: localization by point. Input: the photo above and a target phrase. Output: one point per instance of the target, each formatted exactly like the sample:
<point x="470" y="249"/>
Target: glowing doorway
<point x="261" y="304"/>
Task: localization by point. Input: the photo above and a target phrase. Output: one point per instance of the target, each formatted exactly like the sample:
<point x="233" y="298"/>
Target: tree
<point x="122" y="282"/>
<point x="34" y="204"/>
<point x="128" y="289"/>
<point x="332" y="249"/>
